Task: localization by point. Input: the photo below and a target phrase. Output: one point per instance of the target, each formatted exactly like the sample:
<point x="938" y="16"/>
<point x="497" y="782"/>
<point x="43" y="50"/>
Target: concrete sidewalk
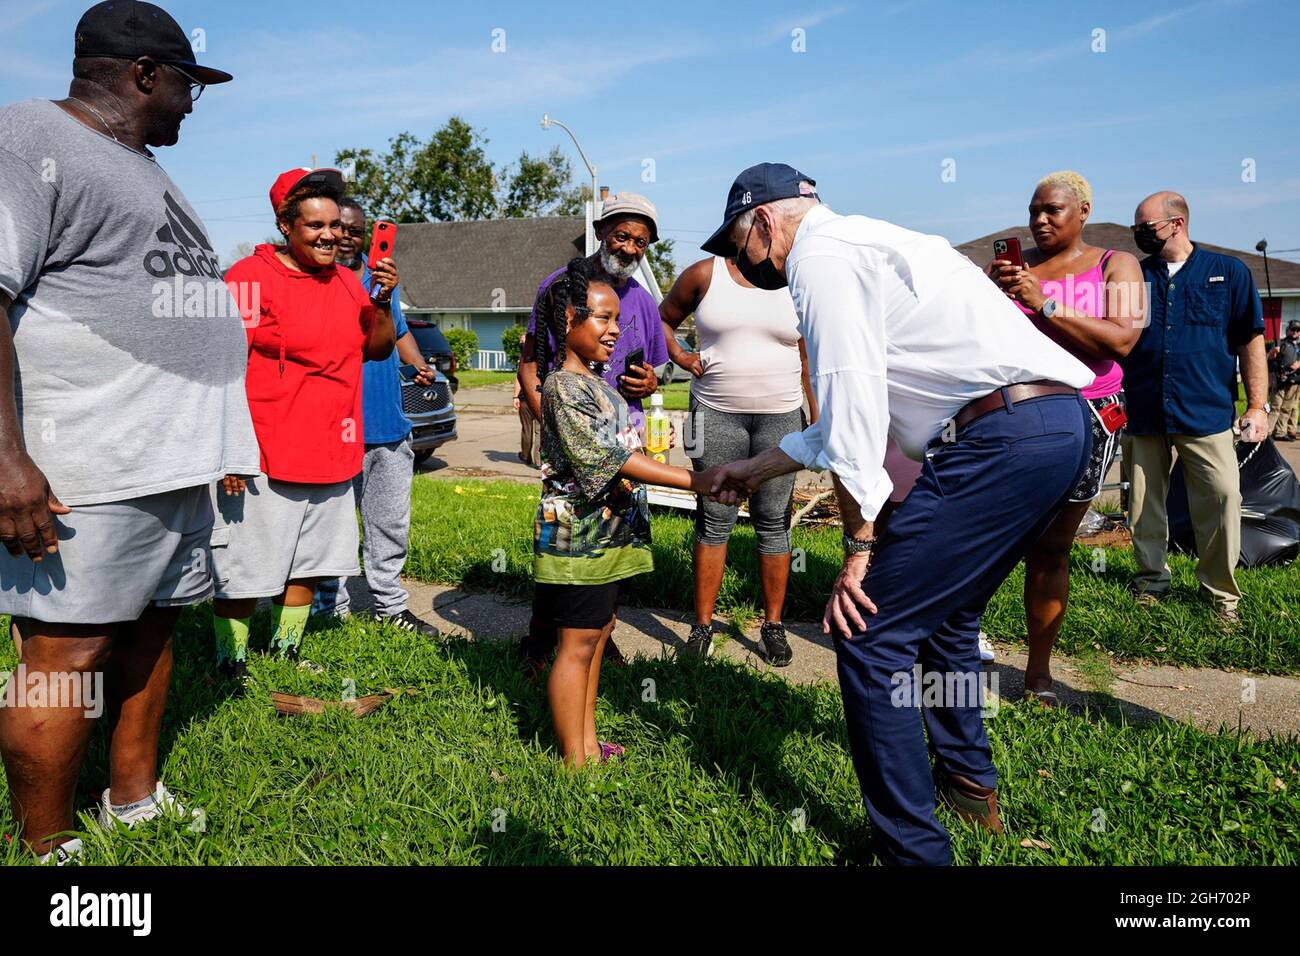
<point x="1209" y="699"/>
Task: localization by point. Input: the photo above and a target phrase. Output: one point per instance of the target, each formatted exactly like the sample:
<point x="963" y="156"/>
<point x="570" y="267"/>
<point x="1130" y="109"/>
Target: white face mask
<point x="615" y="266"/>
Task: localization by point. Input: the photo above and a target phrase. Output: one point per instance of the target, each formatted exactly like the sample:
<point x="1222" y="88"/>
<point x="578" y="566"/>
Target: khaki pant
<point x="1286" y="411"/>
<point x="530" y="436"/>
<point x="1214" y="501"/>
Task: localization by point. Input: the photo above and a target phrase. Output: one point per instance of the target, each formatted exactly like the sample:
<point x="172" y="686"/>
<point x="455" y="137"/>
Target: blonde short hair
<point x="1068" y="179"/>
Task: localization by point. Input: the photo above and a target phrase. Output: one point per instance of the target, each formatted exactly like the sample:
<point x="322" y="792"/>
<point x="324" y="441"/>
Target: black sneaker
<point x="775" y="645"/>
<point x="700" y="643"/>
<point x="409" y="622"/>
<point x="234" y="670"/>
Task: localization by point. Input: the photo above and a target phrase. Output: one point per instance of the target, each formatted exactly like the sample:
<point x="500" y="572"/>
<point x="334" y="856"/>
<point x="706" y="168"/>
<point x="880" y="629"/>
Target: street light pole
<point x="1262" y="248"/>
<point x="547" y="123"/>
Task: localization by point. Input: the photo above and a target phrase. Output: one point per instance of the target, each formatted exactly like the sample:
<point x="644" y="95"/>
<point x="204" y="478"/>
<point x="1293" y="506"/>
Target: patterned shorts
<point x="1104" y="444"/>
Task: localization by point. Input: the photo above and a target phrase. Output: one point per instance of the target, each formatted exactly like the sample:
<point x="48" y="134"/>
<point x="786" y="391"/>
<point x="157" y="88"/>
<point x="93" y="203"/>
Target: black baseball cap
<point x="758" y="184"/>
<point x="127" y="29"/>
<point x="1293" y="326"/>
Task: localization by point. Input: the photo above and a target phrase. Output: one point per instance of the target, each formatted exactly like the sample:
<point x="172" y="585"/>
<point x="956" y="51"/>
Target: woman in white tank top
<point x="750" y="379"/>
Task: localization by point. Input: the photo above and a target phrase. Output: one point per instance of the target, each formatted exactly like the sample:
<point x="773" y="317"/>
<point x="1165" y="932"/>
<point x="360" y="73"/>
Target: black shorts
<point x="1104" y="444"/>
<point x="587" y="606"/>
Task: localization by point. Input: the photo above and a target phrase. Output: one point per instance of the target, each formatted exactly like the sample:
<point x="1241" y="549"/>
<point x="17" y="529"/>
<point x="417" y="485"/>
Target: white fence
<point x="492" y="360"/>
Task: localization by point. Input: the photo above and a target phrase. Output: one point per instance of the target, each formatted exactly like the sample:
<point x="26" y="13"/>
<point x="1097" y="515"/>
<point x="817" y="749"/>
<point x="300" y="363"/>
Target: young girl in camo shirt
<point x="592" y="530"/>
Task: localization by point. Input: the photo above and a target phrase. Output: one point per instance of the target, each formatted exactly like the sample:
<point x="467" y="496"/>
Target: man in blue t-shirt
<point x="383" y="488"/>
<point x="1180" y="380"/>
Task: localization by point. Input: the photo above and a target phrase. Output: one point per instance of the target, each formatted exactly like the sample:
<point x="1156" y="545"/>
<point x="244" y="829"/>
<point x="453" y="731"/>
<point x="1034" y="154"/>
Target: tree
<point x="511" y="342"/>
<point x="536" y="186"/>
<point x="573" y="201"/>
<point x="464" y="344"/>
<point x="660" y="259"/>
<point x="447" y="178"/>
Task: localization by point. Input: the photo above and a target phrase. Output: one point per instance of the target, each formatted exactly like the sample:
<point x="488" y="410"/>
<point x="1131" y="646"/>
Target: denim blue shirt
<point x="381" y="388"/>
<point x="1180" y="378"/>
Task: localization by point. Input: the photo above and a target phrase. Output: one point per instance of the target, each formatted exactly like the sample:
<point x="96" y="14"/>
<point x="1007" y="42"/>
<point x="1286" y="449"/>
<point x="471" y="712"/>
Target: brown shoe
<point x="970" y="801"/>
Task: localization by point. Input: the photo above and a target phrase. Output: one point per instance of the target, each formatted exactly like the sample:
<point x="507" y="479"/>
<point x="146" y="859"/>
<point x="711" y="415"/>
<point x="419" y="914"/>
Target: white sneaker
<point x="162" y="802"/>
<point x="63" y="854"/>
<point x="986" y="649"/>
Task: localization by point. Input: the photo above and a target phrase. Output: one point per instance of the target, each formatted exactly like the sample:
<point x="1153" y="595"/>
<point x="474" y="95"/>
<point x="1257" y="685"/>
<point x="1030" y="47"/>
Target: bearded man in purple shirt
<point x="626" y="229"/>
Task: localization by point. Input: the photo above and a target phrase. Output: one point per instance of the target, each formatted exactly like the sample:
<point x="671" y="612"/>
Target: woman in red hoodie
<point x="310" y="324"/>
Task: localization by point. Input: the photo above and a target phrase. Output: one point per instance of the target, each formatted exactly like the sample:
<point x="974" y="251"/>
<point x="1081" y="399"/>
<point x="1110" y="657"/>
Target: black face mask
<point x="761" y="275"/>
<point x="1145" y="238"/>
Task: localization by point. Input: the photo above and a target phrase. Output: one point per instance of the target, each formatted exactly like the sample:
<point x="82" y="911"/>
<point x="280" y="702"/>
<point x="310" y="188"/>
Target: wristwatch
<point x="857" y="545"/>
<point x="1266" y="408"/>
<point x="1048" y="308"/>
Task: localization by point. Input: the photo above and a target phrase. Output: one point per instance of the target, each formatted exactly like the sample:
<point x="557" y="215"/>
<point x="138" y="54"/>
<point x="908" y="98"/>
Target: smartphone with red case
<point x="381" y="242"/>
<point x="1114" y="417"/>
<point x="1008" y="249"/>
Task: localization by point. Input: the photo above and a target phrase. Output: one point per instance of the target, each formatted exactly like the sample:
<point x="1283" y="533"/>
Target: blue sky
<point x="882" y="95"/>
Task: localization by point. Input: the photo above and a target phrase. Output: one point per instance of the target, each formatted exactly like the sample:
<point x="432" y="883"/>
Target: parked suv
<point x="435" y="348"/>
<point x="430" y="407"/>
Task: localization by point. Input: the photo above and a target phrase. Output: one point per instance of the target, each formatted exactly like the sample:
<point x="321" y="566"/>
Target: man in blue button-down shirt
<point x="1181" y="383"/>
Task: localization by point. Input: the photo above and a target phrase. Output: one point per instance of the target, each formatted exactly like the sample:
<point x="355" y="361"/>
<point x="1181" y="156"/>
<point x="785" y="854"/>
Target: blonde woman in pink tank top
<point x="1090" y="301"/>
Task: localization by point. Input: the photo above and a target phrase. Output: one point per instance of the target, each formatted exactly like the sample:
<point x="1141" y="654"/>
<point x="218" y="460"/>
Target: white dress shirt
<point x="902" y="331"/>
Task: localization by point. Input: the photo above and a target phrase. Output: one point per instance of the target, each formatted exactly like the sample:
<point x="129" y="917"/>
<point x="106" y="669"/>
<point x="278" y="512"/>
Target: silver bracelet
<point x="857" y="545"/>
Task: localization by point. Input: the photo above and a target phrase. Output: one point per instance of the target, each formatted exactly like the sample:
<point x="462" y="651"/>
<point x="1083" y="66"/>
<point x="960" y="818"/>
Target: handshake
<point x="728" y="484"/>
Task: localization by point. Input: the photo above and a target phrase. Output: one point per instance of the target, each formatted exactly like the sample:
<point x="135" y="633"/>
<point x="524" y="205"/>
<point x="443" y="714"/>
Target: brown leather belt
<point x="1014" y="394"/>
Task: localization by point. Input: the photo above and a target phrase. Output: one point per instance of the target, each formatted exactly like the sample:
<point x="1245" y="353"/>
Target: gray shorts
<point x="114" y="560"/>
<point x="278" y="531"/>
<point x="718" y="437"/>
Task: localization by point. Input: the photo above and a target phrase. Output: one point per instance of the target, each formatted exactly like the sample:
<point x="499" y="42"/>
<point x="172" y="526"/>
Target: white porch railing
<point x="492" y="360"/>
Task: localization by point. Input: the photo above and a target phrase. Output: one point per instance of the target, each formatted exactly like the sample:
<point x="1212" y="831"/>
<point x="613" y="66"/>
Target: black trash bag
<point x="1270" y="508"/>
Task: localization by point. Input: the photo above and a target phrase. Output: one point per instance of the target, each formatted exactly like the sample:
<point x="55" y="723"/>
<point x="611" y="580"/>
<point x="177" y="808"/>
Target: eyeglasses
<point x="196" y="88"/>
<point x="354" y="233"/>
<point x="1153" y="224"/>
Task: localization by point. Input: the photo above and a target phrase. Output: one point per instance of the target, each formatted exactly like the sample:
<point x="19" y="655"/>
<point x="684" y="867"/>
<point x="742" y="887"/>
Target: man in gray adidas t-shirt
<point x="124" y="354"/>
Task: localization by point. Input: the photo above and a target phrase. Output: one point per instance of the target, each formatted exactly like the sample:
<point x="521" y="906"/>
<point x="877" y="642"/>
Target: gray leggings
<point x="714" y="438"/>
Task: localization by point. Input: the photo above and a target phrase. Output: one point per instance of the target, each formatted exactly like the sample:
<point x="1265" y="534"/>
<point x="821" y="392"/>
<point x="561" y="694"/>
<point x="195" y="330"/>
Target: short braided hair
<point x="552" y="308"/>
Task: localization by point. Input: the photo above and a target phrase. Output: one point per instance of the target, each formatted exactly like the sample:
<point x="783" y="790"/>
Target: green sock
<point x="289" y="625"/>
<point x="232" y="639"/>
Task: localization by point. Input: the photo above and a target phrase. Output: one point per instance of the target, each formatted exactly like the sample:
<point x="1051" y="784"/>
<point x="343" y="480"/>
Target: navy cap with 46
<point x="765" y="182"/>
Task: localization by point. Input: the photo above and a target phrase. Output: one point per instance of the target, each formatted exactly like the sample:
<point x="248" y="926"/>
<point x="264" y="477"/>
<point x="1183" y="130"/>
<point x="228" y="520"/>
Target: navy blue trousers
<point x="980" y="502"/>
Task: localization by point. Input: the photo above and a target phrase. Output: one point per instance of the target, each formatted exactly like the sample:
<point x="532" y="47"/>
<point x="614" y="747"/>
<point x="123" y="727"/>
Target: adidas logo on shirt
<point x="186" y="251"/>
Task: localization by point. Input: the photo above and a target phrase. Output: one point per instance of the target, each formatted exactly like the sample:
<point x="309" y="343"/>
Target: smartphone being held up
<point x="635" y="359"/>
<point x="1009" y="250"/>
<point x="381" y="242"/>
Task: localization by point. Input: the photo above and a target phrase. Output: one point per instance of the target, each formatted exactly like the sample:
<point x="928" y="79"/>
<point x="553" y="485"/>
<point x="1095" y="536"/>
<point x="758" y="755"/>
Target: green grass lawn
<point x="677" y="396"/>
<point x="473" y="378"/>
<point x="725" y="765"/>
<point x="455" y="537"/>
